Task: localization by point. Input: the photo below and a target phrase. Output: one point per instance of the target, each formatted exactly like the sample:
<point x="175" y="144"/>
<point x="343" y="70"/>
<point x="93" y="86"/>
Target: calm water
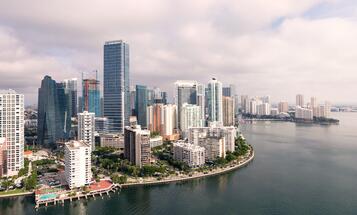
<point x="298" y="169"/>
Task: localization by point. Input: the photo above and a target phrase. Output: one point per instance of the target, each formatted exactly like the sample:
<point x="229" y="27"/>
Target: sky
<point x="264" y="47"/>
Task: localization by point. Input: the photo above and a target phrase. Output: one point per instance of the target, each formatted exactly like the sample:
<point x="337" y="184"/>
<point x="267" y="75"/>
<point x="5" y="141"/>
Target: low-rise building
<point x="192" y="155"/>
<point x="112" y="140"/>
<point x="156" y="141"/>
<point x="77" y="163"/>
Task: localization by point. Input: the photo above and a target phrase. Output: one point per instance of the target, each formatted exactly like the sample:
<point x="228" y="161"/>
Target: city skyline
<point x="291" y="45"/>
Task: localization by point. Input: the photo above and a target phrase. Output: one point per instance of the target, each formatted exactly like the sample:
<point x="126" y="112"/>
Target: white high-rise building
<point x="77" y="163"/>
<point x="192" y="155"/>
<point x="12" y="128"/>
<point x="303" y="113"/>
<point x="300" y="100"/>
<point x="263" y="109"/>
<point x="169" y="119"/>
<point x="214" y="101"/>
<point x="253" y="107"/>
<point x="190" y="117"/>
<point x="86" y="128"/>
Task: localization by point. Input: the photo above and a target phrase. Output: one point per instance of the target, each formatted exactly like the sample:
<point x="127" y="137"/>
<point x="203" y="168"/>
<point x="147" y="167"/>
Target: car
<point x="11" y="187"/>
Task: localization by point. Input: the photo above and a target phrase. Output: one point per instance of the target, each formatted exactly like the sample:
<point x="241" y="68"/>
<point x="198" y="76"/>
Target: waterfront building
<point x="196" y="135"/>
<point x="54" y="113"/>
<point x="102" y="125"/>
<point x="274" y="111"/>
<point x="154" y="117"/>
<point x="137" y="145"/>
<point x="192" y="155"/>
<point x="185" y="93"/>
<point x="283" y="107"/>
<point x="214" y="101"/>
<point x="300" y="100"/>
<point x="190" y="117"/>
<point x="303" y="113"/>
<point x="141" y="105"/>
<point x="3" y="157"/>
<point x="112" y="141"/>
<point x="228" y="111"/>
<point x="91" y="96"/>
<point x="86" y="128"/>
<point x="71" y="86"/>
<point x="156" y="141"/>
<point x="263" y="109"/>
<point x="116" y="84"/>
<point x="12" y="128"/>
<point x="77" y="157"/>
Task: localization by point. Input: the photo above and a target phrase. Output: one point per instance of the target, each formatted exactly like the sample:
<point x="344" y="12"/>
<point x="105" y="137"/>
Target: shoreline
<point x="200" y="175"/>
<point x="17" y="194"/>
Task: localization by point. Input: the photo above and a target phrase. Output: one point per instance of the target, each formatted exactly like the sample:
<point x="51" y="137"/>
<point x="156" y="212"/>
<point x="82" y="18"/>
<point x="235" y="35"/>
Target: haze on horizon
<point x="279" y="48"/>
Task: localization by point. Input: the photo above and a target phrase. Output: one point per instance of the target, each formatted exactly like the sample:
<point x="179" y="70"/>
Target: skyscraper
<point x="116" y="84"/>
<point x="300" y="100"/>
<point x="185" y="92"/>
<point x="91" y="96"/>
<point x="214" y="101"/>
<point x="54" y="113"/>
<point x="154" y="117"/>
<point x="228" y="111"/>
<point x="283" y="107"/>
<point x="12" y="130"/>
<point x="86" y="128"/>
<point x="137" y="145"/>
<point x="141" y="105"/>
<point x="71" y="87"/>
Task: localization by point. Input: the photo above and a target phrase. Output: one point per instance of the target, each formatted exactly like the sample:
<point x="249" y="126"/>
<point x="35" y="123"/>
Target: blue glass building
<point x="54" y="113"/>
<point x="141" y="104"/>
<point x="116" y="84"/>
<point x="91" y="96"/>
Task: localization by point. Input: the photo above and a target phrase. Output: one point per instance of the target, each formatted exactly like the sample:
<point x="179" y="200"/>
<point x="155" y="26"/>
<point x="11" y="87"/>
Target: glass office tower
<point x="91" y="96"/>
<point x="141" y="105"/>
<point x="116" y="84"/>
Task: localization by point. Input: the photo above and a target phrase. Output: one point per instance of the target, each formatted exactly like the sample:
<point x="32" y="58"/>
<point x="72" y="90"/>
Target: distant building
<point x="101" y="125"/>
<point x="274" y="111"/>
<point x="3" y="157"/>
<point x="141" y="105"/>
<point x="116" y="84"/>
<point x="54" y="113"/>
<point x="303" y="113"/>
<point x="112" y="141"/>
<point x="228" y="111"/>
<point x="91" y="96"/>
<point x="156" y="141"/>
<point x="137" y="145"/>
<point x="71" y="87"/>
<point x="86" y="128"/>
<point x="263" y="109"/>
<point x="283" y="107"/>
<point x="12" y="128"/>
<point x="77" y="164"/>
<point x="192" y="155"/>
<point x="300" y="100"/>
<point x="245" y="103"/>
<point x="228" y="135"/>
<point x="214" y="101"/>
<point x="154" y="117"/>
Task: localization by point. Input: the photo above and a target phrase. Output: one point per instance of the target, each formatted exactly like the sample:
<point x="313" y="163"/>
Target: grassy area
<point x="10" y="192"/>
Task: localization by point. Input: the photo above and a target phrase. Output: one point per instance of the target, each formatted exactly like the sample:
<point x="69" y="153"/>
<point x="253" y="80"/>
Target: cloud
<point x="263" y="47"/>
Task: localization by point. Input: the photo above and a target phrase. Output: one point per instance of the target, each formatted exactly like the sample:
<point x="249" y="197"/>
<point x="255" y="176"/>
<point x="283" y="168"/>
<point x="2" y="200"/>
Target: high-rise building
<point x="303" y="113"/>
<point x="200" y="100"/>
<point x="214" y="101"/>
<point x="101" y="125"/>
<point x="91" y="96"/>
<point x="12" y="129"/>
<point x="283" y="107"/>
<point x="185" y="92"/>
<point x="132" y="101"/>
<point x="300" y="100"/>
<point x="71" y="87"/>
<point x="190" y="117"/>
<point x="228" y="111"/>
<point x="54" y="113"/>
<point x="226" y="92"/>
<point x="313" y="102"/>
<point x="263" y="109"/>
<point x="116" y="84"/>
<point x="154" y="117"/>
<point x="86" y="128"/>
<point x="192" y="155"/>
<point x="245" y="103"/>
<point x="137" y="145"/>
<point x="77" y="157"/>
<point x="141" y="105"/>
<point x="3" y="156"/>
<point x="169" y="121"/>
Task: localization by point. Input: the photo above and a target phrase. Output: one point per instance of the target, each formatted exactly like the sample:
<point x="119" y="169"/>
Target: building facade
<point x="3" y="157"/>
<point x="137" y="145"/>
<point x="192" y="155"/>
<point x="214" y="101"/>
<point x="155" y="118"/>
<point x="86" y="128"/>
<point x="283" y="107"/>
<point x="190" y="117"/>
<point x="78" y="171"/>
<point x="300" y="100"/>
<point x="91" y="96"/>
<point x="116" y="84"/>
<point x="12" y="128"/>
<point x="141" y="104"/>
<point x="71" y="87"/>
<point x="228" y="111"/>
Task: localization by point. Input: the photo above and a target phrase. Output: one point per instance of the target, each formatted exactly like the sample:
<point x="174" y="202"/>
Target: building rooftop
<point x="113" y="42"/>
<point x="187" y="145"/>
<point x="9" y="91"/>
<point x="74" y="144"/>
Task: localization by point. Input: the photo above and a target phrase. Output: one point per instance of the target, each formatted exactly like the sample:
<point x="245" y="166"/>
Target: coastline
<point x="17" y="194"/>
<point x="220" y="171"/>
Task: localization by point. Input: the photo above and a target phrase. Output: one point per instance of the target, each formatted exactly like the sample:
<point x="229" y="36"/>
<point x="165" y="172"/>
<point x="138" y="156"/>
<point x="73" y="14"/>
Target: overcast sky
<point x="264" y="47"/>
